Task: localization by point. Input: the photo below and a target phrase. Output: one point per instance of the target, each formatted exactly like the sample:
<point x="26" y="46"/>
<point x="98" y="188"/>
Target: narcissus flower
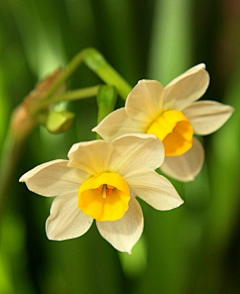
<point x="171" y="114"/>
<point x="101" y="181"/>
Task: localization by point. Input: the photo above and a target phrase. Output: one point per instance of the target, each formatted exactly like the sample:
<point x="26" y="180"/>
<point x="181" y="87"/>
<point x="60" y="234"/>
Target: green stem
<point x="106" y="99"/>
<point x="71" y="96"/>
<point x="15" y="140"/>
<point x="70" y="69"/>
<point x="97" y="63"/>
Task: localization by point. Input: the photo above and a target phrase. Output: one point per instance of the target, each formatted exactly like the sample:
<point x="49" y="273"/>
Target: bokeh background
<point x="192" y="249"/>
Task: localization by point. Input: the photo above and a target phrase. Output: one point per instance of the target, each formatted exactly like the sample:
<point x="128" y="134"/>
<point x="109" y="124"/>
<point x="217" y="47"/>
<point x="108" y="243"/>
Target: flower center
<point x="174" y="130"/>
<point x="104" y="197"/>
<point x="106" y="190"/>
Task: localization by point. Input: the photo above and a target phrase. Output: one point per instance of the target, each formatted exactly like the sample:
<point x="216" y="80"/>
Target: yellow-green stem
<point x="106" y="99"/>
<point x="71" y="96"/>
<point x="15" y="140"/>
<point x="98" y="64"/>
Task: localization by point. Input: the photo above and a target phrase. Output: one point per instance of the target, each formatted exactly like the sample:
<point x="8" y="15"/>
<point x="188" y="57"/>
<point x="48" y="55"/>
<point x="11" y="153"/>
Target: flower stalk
<point x="106" y="99"/>
<point x="35" y="107"/>
<point x="74" y="95"/>
<point x="97" y="63"/>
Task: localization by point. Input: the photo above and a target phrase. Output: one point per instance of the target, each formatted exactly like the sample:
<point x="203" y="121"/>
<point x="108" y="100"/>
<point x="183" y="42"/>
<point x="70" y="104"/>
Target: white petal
<point x="156" y="190"/>
<point x="186" y="88"/>
<point x="92" y="157"/>
<point x="136" y="151"/>
<point x="53" y="178"/>
<point x="185" y="167"/>
<point x="117" y="124"/>
<point x="67" y="220"/>
<point x="145" y="101"/>
<point x="207" y="116"/>
<point x="123" y="234"/>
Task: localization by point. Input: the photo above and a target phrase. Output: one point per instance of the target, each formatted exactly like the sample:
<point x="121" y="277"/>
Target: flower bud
<point x="59" y="121"/>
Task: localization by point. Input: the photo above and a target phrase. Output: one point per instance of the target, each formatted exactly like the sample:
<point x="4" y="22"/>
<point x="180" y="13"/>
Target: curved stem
<point x="22" y="124"/>
<point x="98" y="64"/>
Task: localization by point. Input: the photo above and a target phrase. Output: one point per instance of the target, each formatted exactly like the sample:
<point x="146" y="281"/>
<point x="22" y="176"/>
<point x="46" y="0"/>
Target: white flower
<point x="171" y="114"/>
<point x="101" y="181"/>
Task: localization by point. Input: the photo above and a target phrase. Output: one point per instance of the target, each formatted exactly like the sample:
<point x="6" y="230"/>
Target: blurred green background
<point x="192" y="249"/>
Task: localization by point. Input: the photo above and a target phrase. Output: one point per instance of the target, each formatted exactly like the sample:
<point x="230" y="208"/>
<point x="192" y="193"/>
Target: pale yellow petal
<point x="53" y="178"/>
<point x="207" y="116"/>
<point x="186" y="88"/>
<point x="136" y="151"/>
<point x="123" y="234"/>
<point x="185" y="167"/>
<point x="92" y="157"/>
<point x="66" y="220"/>
<point x="154" y="189"/>
<point x="145" y="101"/>
<point x="117" y="124"/>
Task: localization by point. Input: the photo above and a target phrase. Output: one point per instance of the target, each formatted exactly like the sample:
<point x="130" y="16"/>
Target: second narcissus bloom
<point x="173" y="115"/>
<point x="101" y="181"/>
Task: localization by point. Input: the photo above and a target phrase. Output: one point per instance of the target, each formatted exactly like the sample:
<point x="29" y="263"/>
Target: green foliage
<point x="194" y="249"/>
